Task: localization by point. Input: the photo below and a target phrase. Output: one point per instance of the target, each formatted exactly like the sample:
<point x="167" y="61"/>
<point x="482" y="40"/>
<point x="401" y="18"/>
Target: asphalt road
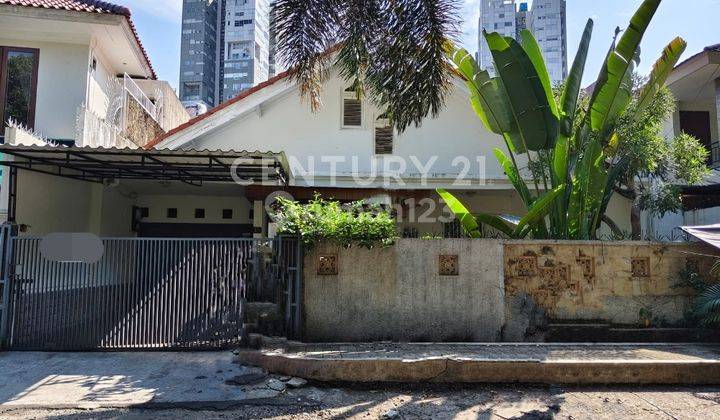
<point x="436" y="402"/>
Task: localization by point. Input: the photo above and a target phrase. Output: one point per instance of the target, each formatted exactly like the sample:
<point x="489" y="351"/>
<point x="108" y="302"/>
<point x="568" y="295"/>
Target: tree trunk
<point x="613" y="226"/>
<point x="635" y="221"/>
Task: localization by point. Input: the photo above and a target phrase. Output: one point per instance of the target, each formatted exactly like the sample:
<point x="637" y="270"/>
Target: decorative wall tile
<point x="525" y="267"/>
<point x="449" y="265"/>
<point x="327" y="265"/>
<point x="641" y="267"/>
<point x="587" y="264"/>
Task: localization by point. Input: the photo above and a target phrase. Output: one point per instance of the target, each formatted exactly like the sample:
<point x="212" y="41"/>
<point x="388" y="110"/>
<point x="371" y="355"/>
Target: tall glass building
<point x="224" y="49"/>
<point x="546" y="19"/>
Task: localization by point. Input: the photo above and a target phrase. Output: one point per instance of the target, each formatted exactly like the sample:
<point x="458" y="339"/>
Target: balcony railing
<point x="132" y="88"/>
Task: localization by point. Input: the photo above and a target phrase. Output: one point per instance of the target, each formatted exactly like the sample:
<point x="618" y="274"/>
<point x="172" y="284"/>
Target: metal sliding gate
<point x="146" y="293"/>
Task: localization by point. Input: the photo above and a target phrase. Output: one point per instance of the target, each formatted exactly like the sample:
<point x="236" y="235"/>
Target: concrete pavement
<point x="92" y="380"/>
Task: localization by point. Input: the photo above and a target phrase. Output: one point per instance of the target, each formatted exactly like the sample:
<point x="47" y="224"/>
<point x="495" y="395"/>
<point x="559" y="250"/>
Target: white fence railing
<point x="134" y="90"/>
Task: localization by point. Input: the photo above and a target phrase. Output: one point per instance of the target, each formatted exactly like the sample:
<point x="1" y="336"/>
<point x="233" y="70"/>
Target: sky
<point x="158" y="22"/>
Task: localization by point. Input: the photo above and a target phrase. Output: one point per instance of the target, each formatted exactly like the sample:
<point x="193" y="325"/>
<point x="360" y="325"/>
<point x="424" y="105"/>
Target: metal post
<point x="297" y="327"/>
<point x="12" y="194"/>
<point x="8" y="233"/>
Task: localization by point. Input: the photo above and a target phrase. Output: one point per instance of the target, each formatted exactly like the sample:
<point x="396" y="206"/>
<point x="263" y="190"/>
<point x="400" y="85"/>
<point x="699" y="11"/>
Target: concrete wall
<point x="595" y="280"/>
<point x="140" y="127"/>
<point x="397" y="293"/>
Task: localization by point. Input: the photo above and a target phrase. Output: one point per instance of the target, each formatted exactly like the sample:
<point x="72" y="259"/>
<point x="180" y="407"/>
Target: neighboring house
<point x="695" y="83"/>
<point x="356" y="140"/>
<point x="75" y="72"/>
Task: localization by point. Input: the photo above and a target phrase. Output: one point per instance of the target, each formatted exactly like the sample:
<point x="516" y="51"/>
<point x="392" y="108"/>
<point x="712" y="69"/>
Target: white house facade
<point x="347" y="150"/>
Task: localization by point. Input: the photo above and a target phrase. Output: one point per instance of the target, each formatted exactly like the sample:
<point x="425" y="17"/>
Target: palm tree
<point x="391" y="50"/>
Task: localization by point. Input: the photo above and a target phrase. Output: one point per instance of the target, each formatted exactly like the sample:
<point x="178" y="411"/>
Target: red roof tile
<point x="89" y="6"/>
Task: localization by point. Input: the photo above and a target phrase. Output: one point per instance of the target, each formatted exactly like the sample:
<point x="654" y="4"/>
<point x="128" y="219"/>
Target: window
<point x="18" y="85"/>
<point x="227" y="214"/>
<point x="351" y="108"/>
<point x="383" y="134"/>
<point x="199" y="213"/>
<point x="172" y="213"/>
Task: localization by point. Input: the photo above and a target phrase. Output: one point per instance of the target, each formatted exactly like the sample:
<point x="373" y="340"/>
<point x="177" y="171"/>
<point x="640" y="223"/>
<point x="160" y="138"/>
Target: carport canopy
<point x="189" y="166"/>
<point x="708" y="234"/>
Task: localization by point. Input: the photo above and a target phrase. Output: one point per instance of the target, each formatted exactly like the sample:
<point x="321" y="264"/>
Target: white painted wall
<point x="62" y="84"/>
<point x="287" y="124"/>
<point x="99" y="80"/>
<point x="186" y="205"/>
<point x="49" y="204"/>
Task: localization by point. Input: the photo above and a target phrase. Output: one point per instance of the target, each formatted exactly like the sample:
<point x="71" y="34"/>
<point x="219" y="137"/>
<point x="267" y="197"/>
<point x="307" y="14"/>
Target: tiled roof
<point x="240" y="97"/>
<point x="715" y="47"/>
<point x="73" y="5"/>
<point x="88" y="6"/>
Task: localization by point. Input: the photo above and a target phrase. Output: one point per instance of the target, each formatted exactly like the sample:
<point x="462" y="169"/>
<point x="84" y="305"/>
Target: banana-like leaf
<point x="537" y="212"/>
<point x="514" y="175"/>
<point x="531" y="47"/>
<point x="612" y="95"/>
<point x="488" y="97"/>
<point x="495" y="222"/>
<point x="660" y="72"/>
<point x="537" y="125"/>
<point x="467" y="220"/>
<point x="573" y="84"/>
<point x="578" y="211"/>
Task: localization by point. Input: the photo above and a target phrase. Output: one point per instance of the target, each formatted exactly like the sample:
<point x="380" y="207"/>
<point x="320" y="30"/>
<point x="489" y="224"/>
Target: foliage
<point x="707" y="303"/>
<point x="707" y="306"/>
<point x="689" y="157"/>
<point x="570" y="143"/>
<point x="653" y="165"/>
<point x="357" y="223"/>
<point x="393" y="49"/>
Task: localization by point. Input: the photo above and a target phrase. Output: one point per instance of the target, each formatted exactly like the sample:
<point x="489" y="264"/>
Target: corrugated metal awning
<point x="189" y="166"/>
<point x="708" y="234"/>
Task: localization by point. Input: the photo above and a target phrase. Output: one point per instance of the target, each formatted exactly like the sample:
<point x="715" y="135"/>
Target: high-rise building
<point x="199" y="52"/>
<point x="548" y="22"/>
<point x="247" y="45"/>
<point x="546" y="19"/>
<point x="495" y="16"/>
<point x="225" y="48"/>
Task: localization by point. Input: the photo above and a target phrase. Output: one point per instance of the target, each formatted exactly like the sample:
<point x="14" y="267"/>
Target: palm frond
<point x="305" y="30"/>
<point x="707" y="305"/>
<point x="360" y="22"/>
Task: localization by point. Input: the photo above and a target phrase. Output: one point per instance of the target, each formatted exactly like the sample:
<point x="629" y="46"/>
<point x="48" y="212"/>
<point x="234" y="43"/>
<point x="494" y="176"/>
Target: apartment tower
<point x="224" y="49"/>
<point x="546" y="19"/>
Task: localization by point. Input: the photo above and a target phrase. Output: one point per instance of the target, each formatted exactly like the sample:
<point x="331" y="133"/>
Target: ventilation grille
<point x="383" y="136"/>
<point x="352" y="112"/>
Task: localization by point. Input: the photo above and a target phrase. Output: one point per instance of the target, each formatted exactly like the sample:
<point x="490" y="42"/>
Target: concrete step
<point x="607" y="333"/>
<point x="691" y="364"/>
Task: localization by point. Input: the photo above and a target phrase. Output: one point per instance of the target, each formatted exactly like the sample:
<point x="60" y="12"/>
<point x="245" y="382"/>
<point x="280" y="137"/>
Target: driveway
<point x="91" y="380"/>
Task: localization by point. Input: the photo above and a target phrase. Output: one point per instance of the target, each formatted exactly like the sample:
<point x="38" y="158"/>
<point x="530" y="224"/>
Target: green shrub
<point x="357" y="223"/>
